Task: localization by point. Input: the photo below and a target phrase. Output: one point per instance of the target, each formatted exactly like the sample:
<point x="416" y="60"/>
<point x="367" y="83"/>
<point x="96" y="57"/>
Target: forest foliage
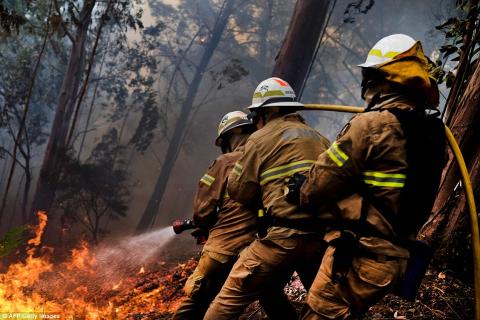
<point x="114" y="100"/>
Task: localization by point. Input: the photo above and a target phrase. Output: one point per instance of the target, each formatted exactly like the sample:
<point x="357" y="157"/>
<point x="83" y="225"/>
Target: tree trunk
<point x="92" y="102"/>
<point x="15" y="202"/>
<point x="56" y="147"/>
<point x="175" y="144"/>
<point x="449" y="224"/>
<point x="265" y="29"/>
<point x="26" y="192"/>
<point x="301" y="41"/>
<point x="86" y="80"/>
<point x="4" y="166"/>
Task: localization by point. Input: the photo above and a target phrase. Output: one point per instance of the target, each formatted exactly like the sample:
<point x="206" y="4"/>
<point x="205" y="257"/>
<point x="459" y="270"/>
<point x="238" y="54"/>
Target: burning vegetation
<point x="84" y="286"/>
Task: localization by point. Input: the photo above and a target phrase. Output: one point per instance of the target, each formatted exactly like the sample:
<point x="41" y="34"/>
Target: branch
<point x="14" y="159"/>
<point x="344" y="46"/>
<point x="62" y="22"/>
<point x="88" y="72"/>
<point x="24" y="117"/>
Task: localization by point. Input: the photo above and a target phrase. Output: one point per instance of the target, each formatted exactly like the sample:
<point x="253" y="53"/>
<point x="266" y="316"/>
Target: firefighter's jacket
<point x="231" y="226"/>
<point x="284" y="146"/>
<point x="370" y="153"/>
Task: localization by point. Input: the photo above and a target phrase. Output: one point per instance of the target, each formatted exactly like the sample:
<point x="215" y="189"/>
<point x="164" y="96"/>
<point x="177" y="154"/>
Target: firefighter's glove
<point x="200" y="235"/>
<point x="294" y="184"/>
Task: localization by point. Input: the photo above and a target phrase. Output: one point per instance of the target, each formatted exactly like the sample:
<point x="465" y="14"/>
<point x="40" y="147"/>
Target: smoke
<point x="334" y="79"/>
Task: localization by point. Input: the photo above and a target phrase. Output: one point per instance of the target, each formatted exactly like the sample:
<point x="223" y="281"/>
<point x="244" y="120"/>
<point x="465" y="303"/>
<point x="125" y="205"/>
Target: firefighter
<point x="282" y="145"/>
<point x="381" y="176"/>
<point x="230" y="227"/>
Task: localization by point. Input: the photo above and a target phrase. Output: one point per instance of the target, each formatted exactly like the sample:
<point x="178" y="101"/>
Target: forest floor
<point x="441" y="296"/>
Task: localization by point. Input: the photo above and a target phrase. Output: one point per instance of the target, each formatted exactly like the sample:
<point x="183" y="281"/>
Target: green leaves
<point x="459" y="42"/>
<point x="448" y="49"/>
<point x="11" y="240"/>
<point x="10" y="19"/>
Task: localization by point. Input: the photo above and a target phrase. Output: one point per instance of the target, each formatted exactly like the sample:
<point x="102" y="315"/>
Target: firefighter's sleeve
<point x="243" y="184"/>
<point x="209" y="195"/>
<point x="333" y="174"/>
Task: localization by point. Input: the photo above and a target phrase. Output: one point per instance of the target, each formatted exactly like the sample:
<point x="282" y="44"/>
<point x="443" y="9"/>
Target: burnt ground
<point x="156" y="294"/>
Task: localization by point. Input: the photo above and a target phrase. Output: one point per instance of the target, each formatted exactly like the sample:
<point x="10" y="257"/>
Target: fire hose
<point x="466" y="183"/>
<point x="180" y="226"/>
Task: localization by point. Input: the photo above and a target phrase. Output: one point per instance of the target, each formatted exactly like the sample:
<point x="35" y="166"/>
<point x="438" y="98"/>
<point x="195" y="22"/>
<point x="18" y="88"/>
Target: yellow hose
<point x="467" y="183"/>
<point x="333" y="107"/>
<point x="468" y="191"/>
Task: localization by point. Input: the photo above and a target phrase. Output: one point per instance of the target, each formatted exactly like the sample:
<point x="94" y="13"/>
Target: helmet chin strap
<point x="225" y="145"/>
<point x="370" y="94"/>
<point x="256" y="115"/>
<point x="232" y="141"/>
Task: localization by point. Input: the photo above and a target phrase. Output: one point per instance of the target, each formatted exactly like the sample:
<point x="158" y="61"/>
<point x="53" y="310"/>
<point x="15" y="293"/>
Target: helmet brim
<point x="292" y="104"/>
<point x="368" y="65"/>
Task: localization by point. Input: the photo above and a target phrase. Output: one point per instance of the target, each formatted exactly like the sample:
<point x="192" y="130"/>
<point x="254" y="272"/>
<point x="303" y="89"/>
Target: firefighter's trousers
<point x="366" y="282"/>
<point x="207" y="280"/>
<point x="264" y="267"/>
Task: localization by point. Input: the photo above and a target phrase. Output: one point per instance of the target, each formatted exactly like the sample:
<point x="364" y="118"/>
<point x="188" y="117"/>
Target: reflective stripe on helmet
<point x="230" y="121"/>
<point x="378" y="53"/>
<point x="285" y="170"/>
<point x="271" y="93"/>
<point x="382" y="179"/>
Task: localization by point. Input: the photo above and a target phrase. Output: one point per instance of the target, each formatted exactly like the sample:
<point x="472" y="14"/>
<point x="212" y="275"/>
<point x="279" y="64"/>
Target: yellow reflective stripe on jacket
<point x="382" y="179"/>
<point x="237" y="169"/>
<point x="285" y="170"/>
<point x="337" y="155"/>
<point x="207" y="179"/>
<point x="226" y="195"/>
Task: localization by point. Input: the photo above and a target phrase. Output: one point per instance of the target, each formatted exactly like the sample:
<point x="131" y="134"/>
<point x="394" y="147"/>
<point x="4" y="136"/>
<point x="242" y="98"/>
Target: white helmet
<point x="230" y="121"/>
<point x="386" y="49"/>
<point x="274" y="92"/>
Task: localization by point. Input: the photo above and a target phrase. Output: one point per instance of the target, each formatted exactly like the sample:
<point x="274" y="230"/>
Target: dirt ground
<point x="441" y="296"/>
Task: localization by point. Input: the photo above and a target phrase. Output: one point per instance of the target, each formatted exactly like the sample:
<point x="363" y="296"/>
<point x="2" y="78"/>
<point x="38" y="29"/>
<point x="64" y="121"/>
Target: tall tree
<point x="301" y="42"/>
<point x="175" y="142"/>
<point x="120" y="14"/>
<point x="56" y="147"/>
<point x="18" y="89"/>
<point x="448" y="225"/>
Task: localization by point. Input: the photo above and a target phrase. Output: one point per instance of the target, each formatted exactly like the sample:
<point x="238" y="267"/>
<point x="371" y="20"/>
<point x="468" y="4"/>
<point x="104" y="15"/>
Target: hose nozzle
<point x="181" y="225"/>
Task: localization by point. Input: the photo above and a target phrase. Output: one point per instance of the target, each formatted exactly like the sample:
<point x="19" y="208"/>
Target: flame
<point x="42" y="217"/>
<point x="81" y="258"/>
<point x="78" y="287"/>
<point x="116" y="286"/>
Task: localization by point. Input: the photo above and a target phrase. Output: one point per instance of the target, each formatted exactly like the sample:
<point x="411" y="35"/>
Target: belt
<point x="305" y="224"/>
